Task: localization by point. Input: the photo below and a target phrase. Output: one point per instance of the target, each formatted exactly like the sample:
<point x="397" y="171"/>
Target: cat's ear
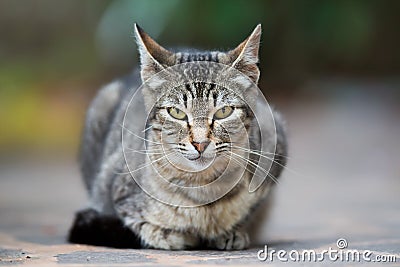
<point x="245" y="56"/>
<point x="153" y="57"/>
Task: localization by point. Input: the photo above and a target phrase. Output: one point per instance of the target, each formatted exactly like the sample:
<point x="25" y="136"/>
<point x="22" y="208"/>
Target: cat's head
<point x="198" y="123"/>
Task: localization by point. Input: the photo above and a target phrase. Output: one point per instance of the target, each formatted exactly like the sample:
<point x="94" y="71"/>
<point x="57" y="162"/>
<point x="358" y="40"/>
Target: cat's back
<point x="99" y="121"/>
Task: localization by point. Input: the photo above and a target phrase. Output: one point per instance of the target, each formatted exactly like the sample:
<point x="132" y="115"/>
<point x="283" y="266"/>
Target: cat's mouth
<point x="194" y="158"/>
<point x="192" y="162"/>
<point x="201" y="158"/>
<point x="205" y="156"/>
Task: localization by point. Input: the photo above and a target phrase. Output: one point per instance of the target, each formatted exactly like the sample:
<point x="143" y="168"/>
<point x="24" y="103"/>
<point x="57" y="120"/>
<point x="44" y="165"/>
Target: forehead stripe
<point x="215" y="96"/>
<point x="200" y="86"/>
<point x="212" y="86"/>
<point x="189" y="89"/>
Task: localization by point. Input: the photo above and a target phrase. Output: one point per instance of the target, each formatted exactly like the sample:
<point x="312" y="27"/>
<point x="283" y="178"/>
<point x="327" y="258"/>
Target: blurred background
<point x="331" y="67"/>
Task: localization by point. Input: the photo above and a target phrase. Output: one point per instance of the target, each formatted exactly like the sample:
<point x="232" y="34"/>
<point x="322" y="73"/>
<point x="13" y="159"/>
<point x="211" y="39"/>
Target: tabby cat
<point x="202" y="126"/>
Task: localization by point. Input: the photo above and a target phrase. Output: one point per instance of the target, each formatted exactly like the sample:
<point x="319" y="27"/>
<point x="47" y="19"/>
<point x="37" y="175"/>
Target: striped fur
<point x="115" y="197"/>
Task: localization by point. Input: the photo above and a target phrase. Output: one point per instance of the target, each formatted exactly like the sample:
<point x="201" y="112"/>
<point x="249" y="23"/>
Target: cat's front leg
<point x="234" y="240"/>
<point x="154" y="236"/>
<point x="161" y="238"/>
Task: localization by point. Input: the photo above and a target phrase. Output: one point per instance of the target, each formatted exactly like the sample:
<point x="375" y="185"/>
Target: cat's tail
<point x="92" y="228"/>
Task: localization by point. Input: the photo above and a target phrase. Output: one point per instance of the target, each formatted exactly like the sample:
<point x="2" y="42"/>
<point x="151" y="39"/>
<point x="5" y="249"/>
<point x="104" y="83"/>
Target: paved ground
<point x="343" y="182"/>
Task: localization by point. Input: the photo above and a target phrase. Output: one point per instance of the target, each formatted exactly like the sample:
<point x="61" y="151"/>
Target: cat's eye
<point x="177" y="113"/>
<point x="223" y="112"/>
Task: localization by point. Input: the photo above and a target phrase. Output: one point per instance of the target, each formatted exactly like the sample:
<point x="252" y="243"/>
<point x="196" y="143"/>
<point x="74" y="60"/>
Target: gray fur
<point x="223" y="224"/>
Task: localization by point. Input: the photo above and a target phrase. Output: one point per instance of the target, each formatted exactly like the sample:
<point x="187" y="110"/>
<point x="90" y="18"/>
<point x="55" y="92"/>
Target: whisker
<point x="132" y="133"/>
<point x="145" y="151"/>
<point x="145" y="139"/>
<point x="274" y="179"/>
<point x="271" y="159"/>
<point x="256" y="153"/>
<point x="260" y="151"/>
<point x="254" y="165"/>
<point x="151" y="162"/>
<point x="148" y="128"/>
<point x="146" y="164"/>
<point x="238" y="162"/>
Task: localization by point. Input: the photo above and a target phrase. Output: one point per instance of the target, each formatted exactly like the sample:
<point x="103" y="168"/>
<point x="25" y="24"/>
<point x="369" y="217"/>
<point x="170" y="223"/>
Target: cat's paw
<point x="157" y="237"/>
<point x="86" y="217"/>
<point x="93" y="228"/>
<point x="233" y="241"/>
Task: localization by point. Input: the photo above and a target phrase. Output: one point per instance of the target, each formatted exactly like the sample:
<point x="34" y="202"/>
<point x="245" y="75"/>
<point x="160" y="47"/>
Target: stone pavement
<point x="343" y="181"/>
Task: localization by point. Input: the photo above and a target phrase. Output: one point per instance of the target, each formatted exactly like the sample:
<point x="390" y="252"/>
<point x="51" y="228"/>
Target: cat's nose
<point x="200" y="147"/>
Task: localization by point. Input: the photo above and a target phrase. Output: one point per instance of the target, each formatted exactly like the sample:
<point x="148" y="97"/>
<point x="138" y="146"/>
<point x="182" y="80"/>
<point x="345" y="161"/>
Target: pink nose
<point x="201" y="146"/>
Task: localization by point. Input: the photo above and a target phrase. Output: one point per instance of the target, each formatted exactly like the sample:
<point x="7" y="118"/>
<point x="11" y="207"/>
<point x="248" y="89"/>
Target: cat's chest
<point x="209" y="220"/>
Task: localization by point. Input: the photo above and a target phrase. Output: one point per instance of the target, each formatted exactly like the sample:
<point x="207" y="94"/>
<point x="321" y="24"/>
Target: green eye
<point x="223" y="113"/>
<point x="177" y="113"/>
